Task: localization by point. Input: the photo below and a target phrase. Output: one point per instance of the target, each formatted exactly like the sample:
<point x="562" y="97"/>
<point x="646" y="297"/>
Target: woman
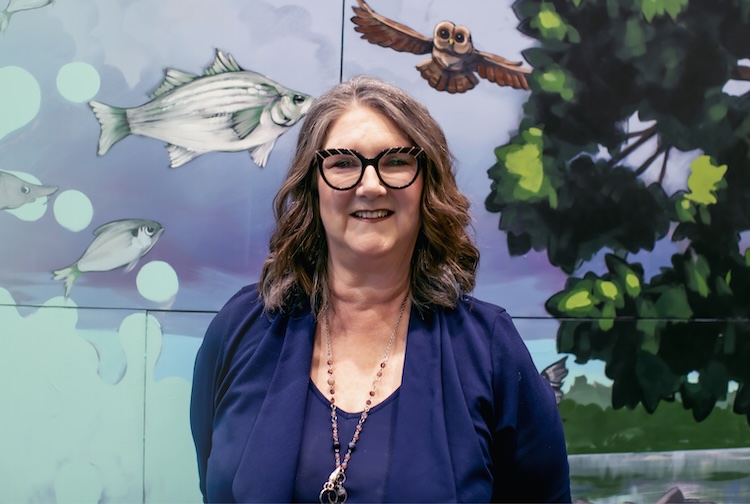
<point x="358" y="367"/>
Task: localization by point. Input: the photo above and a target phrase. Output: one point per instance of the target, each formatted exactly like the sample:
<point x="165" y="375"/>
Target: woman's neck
<point x="383" y="285"/>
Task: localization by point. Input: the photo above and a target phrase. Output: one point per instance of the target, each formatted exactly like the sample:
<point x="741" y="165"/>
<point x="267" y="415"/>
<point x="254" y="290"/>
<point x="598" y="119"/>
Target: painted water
<point x="642" y="478"/>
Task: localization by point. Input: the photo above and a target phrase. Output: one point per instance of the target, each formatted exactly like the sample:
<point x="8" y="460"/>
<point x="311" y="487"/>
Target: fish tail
<point x="69" y="274"/>
<point x="4" y="19"/>
<point x="114" y="123"/>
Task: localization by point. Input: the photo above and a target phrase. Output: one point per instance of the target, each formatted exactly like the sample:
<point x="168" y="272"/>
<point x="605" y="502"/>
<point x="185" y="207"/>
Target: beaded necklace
<point x="333" y="489"/>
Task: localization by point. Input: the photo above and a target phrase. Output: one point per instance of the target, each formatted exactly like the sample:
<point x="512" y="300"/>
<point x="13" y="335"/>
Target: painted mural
<point x="603" y="144"/>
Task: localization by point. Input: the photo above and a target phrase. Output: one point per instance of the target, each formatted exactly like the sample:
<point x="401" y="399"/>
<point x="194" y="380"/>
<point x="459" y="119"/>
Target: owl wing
<point x="501" y="71"/>
<point x="555" y="373"/>
<point x="385" y="32"/>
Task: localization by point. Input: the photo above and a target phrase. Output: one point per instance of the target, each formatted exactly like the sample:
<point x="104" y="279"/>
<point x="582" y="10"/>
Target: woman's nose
<point x="370" y="184"/>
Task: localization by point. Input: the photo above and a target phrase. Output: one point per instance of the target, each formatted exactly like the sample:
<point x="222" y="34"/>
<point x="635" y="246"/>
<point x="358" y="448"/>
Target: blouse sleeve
<point x="208" y="366"/>
<point x="529" y="455"/>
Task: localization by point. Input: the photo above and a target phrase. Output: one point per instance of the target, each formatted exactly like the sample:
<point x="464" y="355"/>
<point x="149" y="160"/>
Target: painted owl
<point x="454" y="60"/>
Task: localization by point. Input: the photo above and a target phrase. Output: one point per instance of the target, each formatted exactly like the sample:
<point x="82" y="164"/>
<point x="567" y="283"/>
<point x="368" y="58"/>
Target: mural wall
<point x="603" y="144"/>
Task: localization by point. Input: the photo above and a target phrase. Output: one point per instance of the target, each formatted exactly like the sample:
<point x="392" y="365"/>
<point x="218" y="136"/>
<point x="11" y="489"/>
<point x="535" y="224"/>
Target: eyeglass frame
<point x="322" y="154"/>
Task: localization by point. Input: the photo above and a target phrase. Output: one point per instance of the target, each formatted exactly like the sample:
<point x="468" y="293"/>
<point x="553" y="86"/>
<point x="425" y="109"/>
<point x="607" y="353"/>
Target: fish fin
<point x="132" y="263"/>
<point x="68" y="274"/>
<point x="114" y="124"/>
<point x="260" y="153"/>
<point x="4" y="20"/>
<point x="172" y="80"/>
<point x="178" y="156"/>
<point x="245" y="121"/>
<point x="222" y="64"/>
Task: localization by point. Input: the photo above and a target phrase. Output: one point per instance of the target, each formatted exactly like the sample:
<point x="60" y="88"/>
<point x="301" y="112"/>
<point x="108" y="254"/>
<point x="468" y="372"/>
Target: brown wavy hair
<point x="444" y="262"/>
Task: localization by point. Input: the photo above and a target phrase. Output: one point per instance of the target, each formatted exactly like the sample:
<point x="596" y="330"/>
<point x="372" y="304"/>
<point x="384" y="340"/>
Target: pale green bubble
<point x="20" y="98"/>
<point x="30" y="211"/>
<point x="65" y="430"/>
<point x="78" y="82"/>
<point x="73" y="210"/>
<point x="157" y="281"/>
<point x="78" y="482"/>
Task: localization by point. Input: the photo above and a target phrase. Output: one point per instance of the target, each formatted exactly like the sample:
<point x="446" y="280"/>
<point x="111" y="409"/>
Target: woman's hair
<point x="444" y="262"/>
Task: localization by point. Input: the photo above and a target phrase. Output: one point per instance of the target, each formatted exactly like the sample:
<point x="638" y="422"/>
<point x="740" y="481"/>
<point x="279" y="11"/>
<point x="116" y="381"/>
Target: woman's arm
<point x="529" y="455"/>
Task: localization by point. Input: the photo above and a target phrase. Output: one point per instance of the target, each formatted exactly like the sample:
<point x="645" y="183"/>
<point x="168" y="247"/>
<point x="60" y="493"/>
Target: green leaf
<point x="634" y="42"/>
<point x="606" y="290"/>
<point x="697" y="271"/>
<point x="652" y="8"/>
<point x="649" y="7"/>
<point x="684" y="209"/>
<point x="704" y="180"/>
<point x="673" y="303"/>
<point x="557" y="81"/>
<point x="632" y="284"/>
<point x="607" y="320"/>
<point x="549" y="23"/>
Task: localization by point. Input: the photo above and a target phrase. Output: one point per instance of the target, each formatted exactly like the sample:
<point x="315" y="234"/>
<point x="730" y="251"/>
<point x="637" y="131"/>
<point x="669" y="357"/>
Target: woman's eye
<point x="395" y="161"/>
<point x="343" y="163"/>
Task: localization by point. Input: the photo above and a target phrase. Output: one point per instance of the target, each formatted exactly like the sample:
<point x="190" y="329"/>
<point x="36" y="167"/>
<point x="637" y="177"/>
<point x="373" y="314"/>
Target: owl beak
<point x="451" y="41"/>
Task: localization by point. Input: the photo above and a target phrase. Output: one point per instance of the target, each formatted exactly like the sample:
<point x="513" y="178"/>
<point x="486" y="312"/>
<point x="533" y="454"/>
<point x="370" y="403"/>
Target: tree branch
<point x="646" y="135"/>
<point x="664" y="164"/>
<point x="650" y="160"/>
<point x="740" y="72"/>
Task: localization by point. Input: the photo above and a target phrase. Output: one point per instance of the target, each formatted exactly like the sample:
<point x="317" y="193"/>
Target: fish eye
<point x="460" y="37"/>
<point x="25" y="189"/>
<point x="297" y="99"/>
<point x="444" y="34"/>
<point x="150" y="230"/>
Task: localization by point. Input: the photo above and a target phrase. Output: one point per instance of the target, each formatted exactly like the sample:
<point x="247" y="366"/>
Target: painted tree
<point x="598" y="64"/>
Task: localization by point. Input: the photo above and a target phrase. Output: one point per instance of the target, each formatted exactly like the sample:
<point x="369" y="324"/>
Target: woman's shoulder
<point x="469" y="308"/>
<point x="238" y="314"/>
<point x="485" y="323"/>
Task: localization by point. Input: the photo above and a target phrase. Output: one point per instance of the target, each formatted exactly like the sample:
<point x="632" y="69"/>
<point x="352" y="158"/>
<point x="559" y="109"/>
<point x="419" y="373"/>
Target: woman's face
<point x="369" y="221"/>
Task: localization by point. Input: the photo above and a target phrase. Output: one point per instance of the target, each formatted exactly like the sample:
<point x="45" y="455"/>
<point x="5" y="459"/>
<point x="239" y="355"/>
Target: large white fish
<point x="225" y="109"/>
<point x="116" y="244"/>
<point x="16" y="192"/>
<point x="19" y="5"/>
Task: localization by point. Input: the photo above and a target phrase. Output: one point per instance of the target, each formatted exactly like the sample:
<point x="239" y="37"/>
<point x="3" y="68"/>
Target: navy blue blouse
<point x="475" y="422"/>
<point x="368" y="467"/>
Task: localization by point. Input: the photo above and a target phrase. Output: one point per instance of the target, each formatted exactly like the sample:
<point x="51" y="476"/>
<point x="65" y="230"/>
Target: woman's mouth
<point x="372" y="214"/>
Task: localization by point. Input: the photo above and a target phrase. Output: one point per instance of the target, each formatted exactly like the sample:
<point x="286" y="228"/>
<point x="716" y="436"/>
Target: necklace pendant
<point x="333" y="489"/>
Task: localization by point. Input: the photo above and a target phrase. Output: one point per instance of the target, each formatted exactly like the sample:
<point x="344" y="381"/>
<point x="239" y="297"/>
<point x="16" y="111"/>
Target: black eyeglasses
<point x="343" y="169"/>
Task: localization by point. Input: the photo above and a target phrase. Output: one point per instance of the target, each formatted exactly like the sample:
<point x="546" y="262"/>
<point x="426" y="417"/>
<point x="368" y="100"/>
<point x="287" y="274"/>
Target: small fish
<point x="555" y="373"/>
<point x="15" y="192"/>
<point x="116" y="244"/>
<point x="19" y="5"/>
<point x="225" y="109"/>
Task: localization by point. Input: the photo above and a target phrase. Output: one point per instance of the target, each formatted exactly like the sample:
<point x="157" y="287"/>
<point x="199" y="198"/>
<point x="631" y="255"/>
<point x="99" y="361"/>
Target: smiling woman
<point x="303" y="388"/>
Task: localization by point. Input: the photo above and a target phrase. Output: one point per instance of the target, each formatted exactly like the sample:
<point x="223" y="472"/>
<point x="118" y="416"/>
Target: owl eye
<point x="297" y="99"/>
<point x="460" y="38"/>
<point x="25" y="189"/>
<point x="444" y="34"/>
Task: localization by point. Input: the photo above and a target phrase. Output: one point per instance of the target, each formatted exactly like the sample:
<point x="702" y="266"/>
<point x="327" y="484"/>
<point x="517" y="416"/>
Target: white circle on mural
<point x="20" y="98"/>
<point x="73" y="210"/>
<point x="157" y="281"/>
<point x="78" y="82"/>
